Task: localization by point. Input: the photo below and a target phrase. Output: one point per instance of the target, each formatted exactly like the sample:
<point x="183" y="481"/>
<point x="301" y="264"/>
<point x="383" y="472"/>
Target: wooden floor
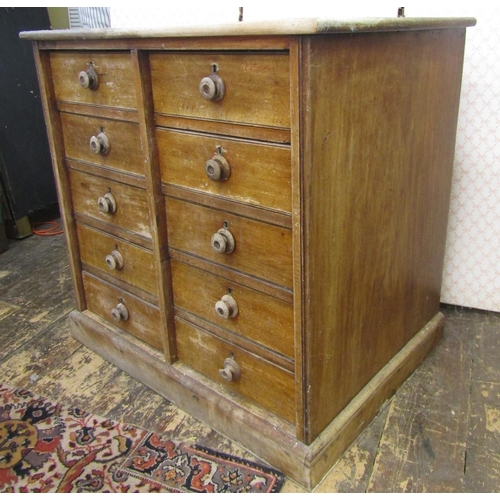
<point x="440" y="433"/>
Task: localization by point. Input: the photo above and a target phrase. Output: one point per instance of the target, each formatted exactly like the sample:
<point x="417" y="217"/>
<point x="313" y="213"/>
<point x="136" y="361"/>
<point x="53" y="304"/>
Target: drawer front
<point x="124" y="142"/>
<point x="259" y="174"/>
<point x="260" y="317"/>
<point x="115" y="78"/>
<point x="261" y="249"/>
<point x="138" y="265"/>
<point x="93" y="195"/>
<point x="260" y="381"/>
<point x="257" y="86"/>
<point x="143" y="319"/>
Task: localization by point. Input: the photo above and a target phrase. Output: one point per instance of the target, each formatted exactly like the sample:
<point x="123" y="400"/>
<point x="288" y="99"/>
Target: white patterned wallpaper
<point x="471" y="275"/>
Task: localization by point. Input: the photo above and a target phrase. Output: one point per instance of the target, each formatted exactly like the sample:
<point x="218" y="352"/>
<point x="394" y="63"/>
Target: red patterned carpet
<point x="50" y="447"/>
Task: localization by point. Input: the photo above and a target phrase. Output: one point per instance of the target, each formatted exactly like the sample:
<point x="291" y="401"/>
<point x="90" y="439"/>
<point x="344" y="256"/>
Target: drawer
<point x="261" y="249"/>
<point x="259" y="174"/>
<point x="261" y="382"/>
<point x="129" y="313"/>
<point x="138" y="268"/>
<point x="124" y="153"/>
<point x="126" y="205"/>
<point x="115" y="78"/>
<point x="260" y="317"/>
<point x="257" y="86"/>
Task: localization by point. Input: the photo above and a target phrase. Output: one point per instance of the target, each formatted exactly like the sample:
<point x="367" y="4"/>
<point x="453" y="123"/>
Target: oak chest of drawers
<point x="256" y="215"/>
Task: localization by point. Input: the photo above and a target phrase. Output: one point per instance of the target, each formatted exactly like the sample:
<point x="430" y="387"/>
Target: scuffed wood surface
<point x="262" y="250"/>
<point x="261" y="317"/>
<point x="35" y="300"/>
<point x="257" y="87"/>
<point x="268" y="27"/>
<point x="260" y="173"/>
<point x="125" y="147"/>
<point x="138" y="268"/>
<point x="482" y="467"/>
<point x="423" y="445"/>
<point x="439" y="433"/>
<point x="115" y="85"/>
<point x="131" y="204"/>
<point x="352" y="473"/>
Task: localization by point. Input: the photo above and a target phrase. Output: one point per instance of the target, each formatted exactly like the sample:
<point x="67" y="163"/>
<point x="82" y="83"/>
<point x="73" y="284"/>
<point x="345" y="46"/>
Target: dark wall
<point x="26" y="170"/>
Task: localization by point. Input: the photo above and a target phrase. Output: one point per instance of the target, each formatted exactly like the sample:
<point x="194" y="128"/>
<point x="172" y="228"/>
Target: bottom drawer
<point x="260" y="381"/>
<point x="143" y="318"/>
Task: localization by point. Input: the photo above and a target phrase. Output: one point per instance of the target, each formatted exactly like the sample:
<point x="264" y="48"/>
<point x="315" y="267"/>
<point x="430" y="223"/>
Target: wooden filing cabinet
<point x="256" y="214"/>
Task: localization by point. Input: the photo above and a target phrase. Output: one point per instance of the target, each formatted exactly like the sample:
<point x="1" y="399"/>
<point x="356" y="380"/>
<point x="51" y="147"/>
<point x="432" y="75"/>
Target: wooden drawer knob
<point x="217" y="168"/>
<point x="120" y="312"/>
<point x="231" y="371"/>
<point x="89" y="79"/>
<point x="223" y="241"/>
<point x="212" y="87"/>
<point x="107" y="204"/>
<point x="99" y="143"/>
<point x="226" y="307"/>
<point x="115" y="260"/>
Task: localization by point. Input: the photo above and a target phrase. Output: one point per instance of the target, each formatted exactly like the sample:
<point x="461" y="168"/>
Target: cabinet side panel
<point x="380" y="114"/>
<point x="56" y="145"/>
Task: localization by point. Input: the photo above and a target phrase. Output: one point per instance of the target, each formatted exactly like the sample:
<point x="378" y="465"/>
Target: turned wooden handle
<point x="223" y="241"/>
<point x="120" y="312"/>
<point x="212" y="87"/>
<point x="231" y="371"/>
<point x="107" y="204"/>
<point x="89" y="79"/>
<point x="217" y="168"/>
<point x="226" y="307"/>
<point x="99" y="144"/>
<point x="115" y="260"/>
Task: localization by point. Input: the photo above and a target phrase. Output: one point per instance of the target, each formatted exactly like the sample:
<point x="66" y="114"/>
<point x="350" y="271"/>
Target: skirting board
<point x="267" y="436"/>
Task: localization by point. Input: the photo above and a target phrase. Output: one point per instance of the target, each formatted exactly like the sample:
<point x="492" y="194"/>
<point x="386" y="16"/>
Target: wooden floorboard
<point x="424" y="441"/>
<point x="441" y="432"/>
<point x="353" y="471"/>
<point x="482" y="468"/>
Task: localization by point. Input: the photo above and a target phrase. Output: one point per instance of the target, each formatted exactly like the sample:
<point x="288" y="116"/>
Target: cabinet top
<point x="276" y="27"/>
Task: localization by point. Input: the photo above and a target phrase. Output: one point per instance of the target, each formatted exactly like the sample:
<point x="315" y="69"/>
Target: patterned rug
<point x="50" y="447"/>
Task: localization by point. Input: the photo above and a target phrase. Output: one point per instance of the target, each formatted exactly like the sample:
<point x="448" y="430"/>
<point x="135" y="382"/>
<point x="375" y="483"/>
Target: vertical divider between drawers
<point x="56" y="144"/>
<point x="156" y="199"/>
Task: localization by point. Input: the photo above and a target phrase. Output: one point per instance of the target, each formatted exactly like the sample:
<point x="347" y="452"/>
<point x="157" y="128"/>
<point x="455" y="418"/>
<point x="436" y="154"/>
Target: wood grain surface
<point x="375" y="212"/>
<point x="131" y="205"/>
<point x="144" y="318"/>
<point x="138" y="269"/>
<point x="284" y="294"/>
<point x="125" y="144"/>
<point x="274" y="217"/>
<point x="260" y="382"/>
<point x="262" y="318"/>
<point x="260" y="173"/>
<point x="261" y="249"/>
<point x="257" y="86"/>
<point x="116" y="84"/>
<point x="245" y="131"/>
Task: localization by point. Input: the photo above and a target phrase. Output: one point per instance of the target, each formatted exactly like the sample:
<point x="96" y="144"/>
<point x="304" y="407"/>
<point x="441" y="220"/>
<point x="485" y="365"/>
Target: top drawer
<point x="115" y="78"/>
<point x="257" y="86"/>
